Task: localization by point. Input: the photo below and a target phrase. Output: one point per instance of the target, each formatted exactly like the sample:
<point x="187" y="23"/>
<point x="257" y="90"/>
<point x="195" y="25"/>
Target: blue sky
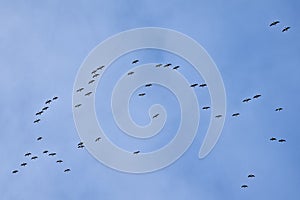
<point x="43" y="45"/>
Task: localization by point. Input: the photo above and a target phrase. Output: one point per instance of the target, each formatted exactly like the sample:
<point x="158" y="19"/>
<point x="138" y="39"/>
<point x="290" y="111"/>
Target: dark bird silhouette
<point x="235" y="114"/>
<point x="39" y="113"/>
<point x="274" y="23"/>
<point x="158" y="65"/>
<point x="54" y="98"/>
<point x="80" y="143"/>
<point x="135" y="61"/>
<point x="15" y="171"/>
<point x="79" y="90"/>
<point x="251" y="176"/>
<point x="24" y="164"/>
<point x="282" y="140"/>
<point x="59" y="161"/>
<point x="136" y="152"/>
<point x="273" y="139"/>
<point x="142" y="94"/>
<point x="203" y="85"/>
<point x="156" y="115"/>
<point x="39" y="138"/>
<point x="27" y="154"/>
<point x="34" y="157"/>
<point x="46" y="151"/>
<point x="247" y="99"/>
<point x="45" y="108"/>
<point x="94" y="72"/>
<point x="244" y="186"/>
<point x="91" y="81"/>
<point x="80" y="146"/>
<point x="101" y="67"/>
<point x="77" y="105"/>
<point x="48" y="101"/>
<point x="130" y="73"/>
<point x="95" y="75"/>
<point x="194" y="85"/>
<point x="88" y="94"/>
<point x="37" y="121"/>
<point x="218" y="116"/>
<point x="67" y="170"/>
<point x="256" y="96"/>
<point x="286" y="29"/>
<point x="52" y="154"/>
<point x="167" y="65"/>
<point x="148" y="85"/>
<point x="278" y="109"/>
<point x="97" y="139"/>
<point x="205" y="107"/>
<point x="176" y="67"/>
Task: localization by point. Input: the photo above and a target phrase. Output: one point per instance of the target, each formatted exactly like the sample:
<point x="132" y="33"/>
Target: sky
<point x="42" y="46"/>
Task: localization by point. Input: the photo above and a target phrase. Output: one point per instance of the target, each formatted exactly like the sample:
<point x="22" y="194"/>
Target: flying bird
<point x="273" y="139"/>
<point x="218" y="116"/>
<point x="130" y="73"/>
<point x="167" y="65"/>
<point x="244" y="186"/>
<point x="24" y="164"/>
<point x="39" y="138"/>
<point x="45" y="108"/>
<point x="136" y="152"/>
<point x="54" y="98"/>
<point x="203" y="85"/>
<point x="194" y="85"/>
<point x="34" y="157"/>
<point x="205" y="107"/>
<point x="282" y="140"/>
<point x="91" y="81"/>
<point x="59" y="161"/>
<point x="88" y="94"/>
<point x="67" y="170"/>
<point x="256" y="96"/>
<point x="247" y="99"/>
<point x="135" y="61"/>
<point x="15" y="171"/>
<point x="80" y="146"/>
<point x="101" y="67"/>
<point x="94" y="72"/>
<point x="286" y="29"/>
<point x="37" y="120"/>
<point x="77" y="105"/>
<point x="274" y="23"/>
<point x="158" y="65"/>
<point x="176" y="67"/>
<point x="39" y="113"/>
<point x="156" y="115"/>
<point x="251" y="176"/>
<point x="27" y="154"/>
<point x="95" y="75"/>
<point x="278" y="109"/>
<point x="48" y="101"/>
<point x="142" y="94"/>
<point x="79" y="90"/>
<point x="97" y="139"/>
<point x="52" y="154"/>
<point x="148" y="85"/>
<point x="46" y="151"/>
<point x="235" y="114"/>
<point x="80" y="143"/>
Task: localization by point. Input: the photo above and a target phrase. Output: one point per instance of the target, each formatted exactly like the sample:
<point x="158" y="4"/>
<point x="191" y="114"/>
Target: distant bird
<point x="59" y="161"/>
<point x="247" y="99"/>
<point x="39" y="113"/>
<point x="130" y="73"/>
<point x="235" y="114"/>
<point x="97" y="139"/>
<point x="79" y="90"/>
<point x="77" y="105"/>
<point x="54" y="98"/>
<point x="24" y="164"/>
<point x="156" y="115"/>
<point x="67" y="170"/>
<point x="218" y="116"/>
<point x="205" y="107"/>
<point x="88" y="94"/>
<point x="286" y="29"/>
<point x="194" y="85"/>
<point x="167" y="65"/>
<point x="274" y="23"/>
<point x="15" y="171"/>
<point x="91" y="81"/>
<point x="52" y="154"/>
<point x="148" y="85"/>
<point x="37" y="121"/>
<point x="45" y="108"/>
<point x="34" y="157"/>
<point x="101" y="67"/>
<point x="80" y="143"/>
<point x="244" y="186"/>
<point x="135" y="61"/>
<point x="39" y="138"/>
<point x="176" y="67"/>
<point x="273" y="139"/>
<point x="46" y="151"/>
<point x="282" y="140"/>
<point x="251" y="176"/>
<point x="158" y="65"/>
<point x="95" y="75"/>
<point x="48" y="101"/>
<point x="136" y="152"/>
<point x="27" y="154"/>
<point x="80" y="146"/>
<point x="142" y="94"/>
<point x="278" y="109"/>
<point x="203" y="85"/>
<point x="94" y="72"/>
<point x="256" y="96"/>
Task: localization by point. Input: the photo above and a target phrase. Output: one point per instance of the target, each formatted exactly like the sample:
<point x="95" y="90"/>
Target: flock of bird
<point x="29" y="155"/>
<point x="286" y="28"/>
